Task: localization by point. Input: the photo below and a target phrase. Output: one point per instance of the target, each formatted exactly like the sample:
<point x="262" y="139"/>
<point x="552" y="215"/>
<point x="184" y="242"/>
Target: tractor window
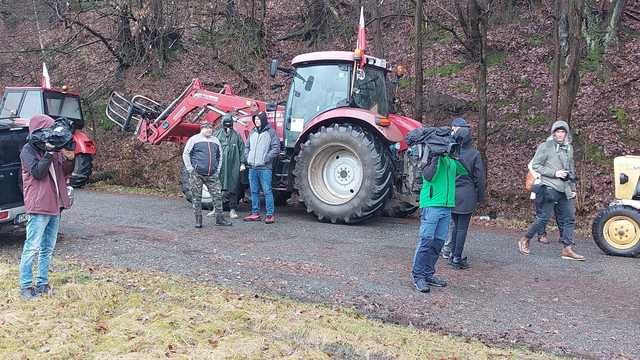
<point x="31" y="105"/>
<point x="318" y="88"/>
<point x="63" y="105"/>
<point x="370" y="91"/>
<point x="10" y="104"/>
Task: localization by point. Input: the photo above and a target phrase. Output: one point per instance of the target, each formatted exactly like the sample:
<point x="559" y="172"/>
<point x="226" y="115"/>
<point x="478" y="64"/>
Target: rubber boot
<point x="198" y="221"/>
<point x="221" y="221"/>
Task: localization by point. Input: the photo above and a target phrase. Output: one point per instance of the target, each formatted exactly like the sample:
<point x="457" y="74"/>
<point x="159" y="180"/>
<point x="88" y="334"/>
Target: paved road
<point x="589" y="310"/>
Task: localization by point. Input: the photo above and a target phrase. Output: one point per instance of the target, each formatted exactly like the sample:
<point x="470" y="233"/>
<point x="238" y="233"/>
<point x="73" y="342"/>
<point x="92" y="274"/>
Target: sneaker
<point x="233" y="214"/>
<point x="422" y="286"/>
<point x="28" y="293"/>
<point x="270" y="219"/>
<point x="43" y="290"/>
<point x="252" y="217"/>
<point x="446" y="253"/>
<point x="459" y="264"/>
<point x="434" y="281"/>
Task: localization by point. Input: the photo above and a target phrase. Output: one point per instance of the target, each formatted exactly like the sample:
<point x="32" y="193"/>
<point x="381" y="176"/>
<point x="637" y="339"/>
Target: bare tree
<point x="568" y="45"/>
<point x="601" y="21"/>
<point x="419" y="24"/>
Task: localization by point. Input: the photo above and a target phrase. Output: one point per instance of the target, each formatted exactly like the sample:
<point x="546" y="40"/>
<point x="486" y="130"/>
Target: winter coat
<point x="44" y="194"/>
<point x="470" y="189"/>
<point x="262" y="148"/>
<point x="439" y="182"/>
<point x="552" y="156"/>
<point x="232" y="157"/>
<point x="202" y="154"/>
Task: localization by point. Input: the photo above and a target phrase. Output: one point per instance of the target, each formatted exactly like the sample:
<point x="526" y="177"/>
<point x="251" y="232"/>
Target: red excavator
<point x="343" y="149"/>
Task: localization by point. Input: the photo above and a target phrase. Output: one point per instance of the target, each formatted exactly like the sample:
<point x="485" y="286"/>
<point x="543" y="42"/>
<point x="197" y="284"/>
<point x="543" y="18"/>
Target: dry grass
<point x="116" y="314"/>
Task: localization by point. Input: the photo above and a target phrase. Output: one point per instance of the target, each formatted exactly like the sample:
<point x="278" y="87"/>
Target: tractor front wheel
<point x="616" y="230"/>
<point x="343" y="174"/>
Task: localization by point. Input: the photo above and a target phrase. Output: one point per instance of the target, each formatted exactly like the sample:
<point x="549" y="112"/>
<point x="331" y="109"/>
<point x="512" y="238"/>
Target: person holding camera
<point x="554" y="162"/>
<point x="202" y="157"/>
<point x="437" y="198"/>
<point x="45" y="195"/>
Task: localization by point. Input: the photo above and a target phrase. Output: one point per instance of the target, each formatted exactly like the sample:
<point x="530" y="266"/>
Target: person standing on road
<point x="45" y="195"/>
<point x="232" y="164"/>
<point x="437" y="198"/>
<point x="262" y="149"/>
<point x="470" y="190"/>
<point x="202" y="157"/>
<point x="554" y="162"/>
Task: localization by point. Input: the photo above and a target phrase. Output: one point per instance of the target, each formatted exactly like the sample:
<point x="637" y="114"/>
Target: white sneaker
<point x="211" y="213"/>
<point x="233" y="214"/>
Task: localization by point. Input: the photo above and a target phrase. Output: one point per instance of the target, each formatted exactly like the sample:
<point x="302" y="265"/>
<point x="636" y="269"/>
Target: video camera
<point x="571" y="176"/>
<point x="435" y="141"/>
<point x="60" y="135"/>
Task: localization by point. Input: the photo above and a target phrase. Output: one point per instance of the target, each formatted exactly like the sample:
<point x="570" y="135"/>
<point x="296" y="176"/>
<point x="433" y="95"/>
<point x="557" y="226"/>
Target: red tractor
<point x="342" y="149"/>
<point x="19" y="104"/>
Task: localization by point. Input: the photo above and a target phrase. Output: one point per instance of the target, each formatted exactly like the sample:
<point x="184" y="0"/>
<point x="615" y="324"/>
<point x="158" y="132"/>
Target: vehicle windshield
<point x="324" y="87"/>
<point x="370" y="91"/>
<point x="63" y="105"/>
<point x="320" y="87"/>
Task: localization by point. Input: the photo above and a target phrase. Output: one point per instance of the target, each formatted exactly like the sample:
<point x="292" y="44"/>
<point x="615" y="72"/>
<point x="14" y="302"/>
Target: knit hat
<point x="459" y="122"/>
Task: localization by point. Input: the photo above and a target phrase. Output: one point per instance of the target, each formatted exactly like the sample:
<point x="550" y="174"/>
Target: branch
<point x="387" y="16"/>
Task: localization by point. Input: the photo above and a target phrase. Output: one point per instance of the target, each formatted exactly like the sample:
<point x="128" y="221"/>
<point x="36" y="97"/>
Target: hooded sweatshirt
<point x="262" y="147"/>
<point x="470" y="189"/>
<point x="43" y="193"/>
<point x="552" y="156"/>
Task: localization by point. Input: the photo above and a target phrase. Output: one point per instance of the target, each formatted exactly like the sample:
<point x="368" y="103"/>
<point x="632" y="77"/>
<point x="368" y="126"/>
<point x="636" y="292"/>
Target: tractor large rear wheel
<point x="343" y="174"/>
<point x="185" y="186"/>
<point x="616" y="231"/>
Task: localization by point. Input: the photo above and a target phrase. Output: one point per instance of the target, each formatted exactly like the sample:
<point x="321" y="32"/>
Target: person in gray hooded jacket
<point x="554" y="162"/>
<point x="263" y="147"/>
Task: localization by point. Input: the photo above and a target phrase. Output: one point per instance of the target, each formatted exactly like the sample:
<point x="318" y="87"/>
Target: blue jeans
<point x="42" y="233"/>
<point x="434" y="228"/>
<point x="261" y="179"/>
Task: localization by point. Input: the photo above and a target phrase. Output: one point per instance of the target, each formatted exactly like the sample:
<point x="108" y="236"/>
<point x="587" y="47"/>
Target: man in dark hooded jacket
<point x="470" y="191"/>
<point x="45" y="194"/>
<point x="263" y="147"/>
<point x="232" y="162"/>
<point x="554" y="162"/>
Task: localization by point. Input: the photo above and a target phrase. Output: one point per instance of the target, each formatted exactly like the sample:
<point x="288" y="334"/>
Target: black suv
<point x="12" y="138"/>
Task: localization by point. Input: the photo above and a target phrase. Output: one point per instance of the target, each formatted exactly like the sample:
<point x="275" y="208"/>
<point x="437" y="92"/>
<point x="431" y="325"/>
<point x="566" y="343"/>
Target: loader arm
<point x="181" y="119"/>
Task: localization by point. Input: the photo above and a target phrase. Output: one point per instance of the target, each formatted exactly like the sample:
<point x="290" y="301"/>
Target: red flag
<point x="46" y="81"/>
<point x="362" y="37"/>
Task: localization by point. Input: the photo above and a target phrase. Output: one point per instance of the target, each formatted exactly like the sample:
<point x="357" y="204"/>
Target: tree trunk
<point x="128" y="49"/>
<point x="556" y="62"/>
<point x="417" y="112"/>
<point x="569" y="30"/>
<point x="615" y="15"/>
<point x="159" y="31"/>
<point x="379" y="43"/>
<point x="482" y="22"/>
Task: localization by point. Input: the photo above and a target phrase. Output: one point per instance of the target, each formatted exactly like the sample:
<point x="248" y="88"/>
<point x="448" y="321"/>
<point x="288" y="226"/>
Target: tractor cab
<point x="21" y="103"/>
<point x="326" y="80"/>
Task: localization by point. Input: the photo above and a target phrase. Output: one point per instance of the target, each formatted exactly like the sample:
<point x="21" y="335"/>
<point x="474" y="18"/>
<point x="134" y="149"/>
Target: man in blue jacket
<point x="202" y="156"/>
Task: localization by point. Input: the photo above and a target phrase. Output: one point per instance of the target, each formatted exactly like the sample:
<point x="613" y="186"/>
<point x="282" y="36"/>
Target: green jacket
<point x="441" y="190"/>
<point x="232" y="156"/>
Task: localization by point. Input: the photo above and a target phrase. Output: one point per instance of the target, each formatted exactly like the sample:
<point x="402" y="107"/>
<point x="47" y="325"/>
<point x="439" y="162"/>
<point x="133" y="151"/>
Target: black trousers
<point x="460" y="225"/>
<point x="565" y="212"/>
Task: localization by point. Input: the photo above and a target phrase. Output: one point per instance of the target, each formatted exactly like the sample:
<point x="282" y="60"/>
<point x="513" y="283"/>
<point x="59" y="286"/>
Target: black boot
<point x="198" y="221"/>
<point x="221" y="221"/>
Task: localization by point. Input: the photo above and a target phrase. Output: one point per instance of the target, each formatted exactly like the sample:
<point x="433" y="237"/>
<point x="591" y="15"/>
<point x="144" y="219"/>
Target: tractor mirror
<point x="274" y="67"/>
<point x="309" y="83"/>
